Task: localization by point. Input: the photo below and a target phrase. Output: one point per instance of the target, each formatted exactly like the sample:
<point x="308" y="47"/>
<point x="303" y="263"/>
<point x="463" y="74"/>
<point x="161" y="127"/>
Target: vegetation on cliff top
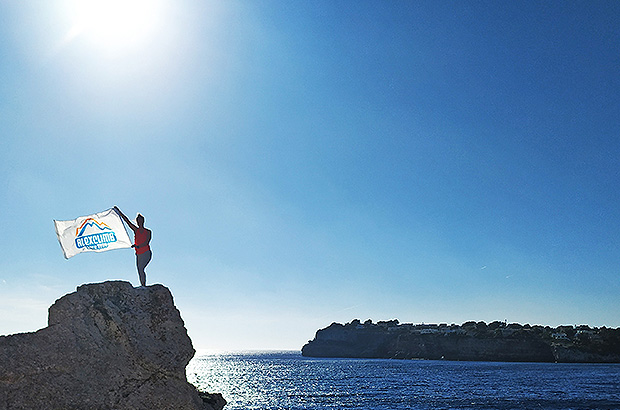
<point x="596" y="340"/>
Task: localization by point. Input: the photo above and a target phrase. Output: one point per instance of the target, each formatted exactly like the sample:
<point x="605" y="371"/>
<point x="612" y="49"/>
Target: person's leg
<point x="141" y="273"/>
<point x="141" y="261"/>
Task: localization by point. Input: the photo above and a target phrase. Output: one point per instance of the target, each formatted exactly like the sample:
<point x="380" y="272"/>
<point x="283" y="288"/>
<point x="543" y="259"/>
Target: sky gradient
<point x="310" y="162"/>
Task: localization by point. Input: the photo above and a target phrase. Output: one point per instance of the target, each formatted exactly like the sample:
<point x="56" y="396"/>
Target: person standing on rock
<point x="142" y="238"/>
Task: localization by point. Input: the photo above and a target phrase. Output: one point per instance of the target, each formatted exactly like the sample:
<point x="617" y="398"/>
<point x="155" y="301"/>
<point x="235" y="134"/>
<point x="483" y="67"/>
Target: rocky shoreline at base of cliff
<point x="471" y="341"/>
<point x="107" y="346"/>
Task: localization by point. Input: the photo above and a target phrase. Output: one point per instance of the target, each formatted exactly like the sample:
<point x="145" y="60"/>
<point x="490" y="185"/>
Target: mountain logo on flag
<point x="94" y="235"/>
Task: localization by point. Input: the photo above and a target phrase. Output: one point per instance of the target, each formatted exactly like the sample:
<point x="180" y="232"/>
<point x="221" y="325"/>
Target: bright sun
<point x="115" y="24"/>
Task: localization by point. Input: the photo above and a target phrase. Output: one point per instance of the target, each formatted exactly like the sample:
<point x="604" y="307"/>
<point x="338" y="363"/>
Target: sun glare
<point x="115" y="24"/>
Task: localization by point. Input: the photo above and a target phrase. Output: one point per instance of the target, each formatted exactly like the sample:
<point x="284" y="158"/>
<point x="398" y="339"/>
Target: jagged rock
<point x="107" y="346"/>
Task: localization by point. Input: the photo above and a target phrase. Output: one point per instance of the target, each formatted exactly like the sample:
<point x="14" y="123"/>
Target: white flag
<point x="99" y="232"/>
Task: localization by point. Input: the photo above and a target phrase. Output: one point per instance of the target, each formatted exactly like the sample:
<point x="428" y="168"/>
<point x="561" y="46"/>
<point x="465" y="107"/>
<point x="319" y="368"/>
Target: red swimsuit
<point x="141" y="236"/>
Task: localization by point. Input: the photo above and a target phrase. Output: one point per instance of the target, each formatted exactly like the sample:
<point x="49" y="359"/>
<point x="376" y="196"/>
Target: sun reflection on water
<point x="286" y="380"/>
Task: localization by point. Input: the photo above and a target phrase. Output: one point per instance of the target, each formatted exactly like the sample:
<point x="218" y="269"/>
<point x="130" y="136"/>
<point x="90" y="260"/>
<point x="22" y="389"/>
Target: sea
<point x="287" y="380"/>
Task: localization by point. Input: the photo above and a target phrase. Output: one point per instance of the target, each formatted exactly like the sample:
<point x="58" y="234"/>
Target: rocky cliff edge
<point x="475" y="341"/>
<point x="107" y="346"/>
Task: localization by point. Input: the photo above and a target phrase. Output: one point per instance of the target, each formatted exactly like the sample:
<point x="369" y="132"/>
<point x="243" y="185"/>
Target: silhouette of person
<point x="142" y="238"/>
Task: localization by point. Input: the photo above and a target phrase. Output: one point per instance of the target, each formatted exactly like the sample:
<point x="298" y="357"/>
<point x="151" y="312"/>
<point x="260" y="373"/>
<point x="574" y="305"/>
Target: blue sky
<point x="310" y="162"/>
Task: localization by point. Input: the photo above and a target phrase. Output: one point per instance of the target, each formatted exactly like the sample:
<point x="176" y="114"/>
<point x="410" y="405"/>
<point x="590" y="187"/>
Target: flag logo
<point x="98" y="232"/>
<point x="94" y="235"/>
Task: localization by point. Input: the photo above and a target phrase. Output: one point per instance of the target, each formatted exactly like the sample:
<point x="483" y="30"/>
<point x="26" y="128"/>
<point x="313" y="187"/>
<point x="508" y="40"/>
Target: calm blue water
<point x="286" y="380"/>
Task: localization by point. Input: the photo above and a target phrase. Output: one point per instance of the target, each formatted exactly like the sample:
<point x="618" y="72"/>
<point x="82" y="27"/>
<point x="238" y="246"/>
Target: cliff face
<point x="473" y="343"/>
<point x="107" y="346"/>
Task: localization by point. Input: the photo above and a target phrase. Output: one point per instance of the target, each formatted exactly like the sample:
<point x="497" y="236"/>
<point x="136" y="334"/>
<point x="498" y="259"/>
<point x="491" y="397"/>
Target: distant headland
<point x="471" y="341"/>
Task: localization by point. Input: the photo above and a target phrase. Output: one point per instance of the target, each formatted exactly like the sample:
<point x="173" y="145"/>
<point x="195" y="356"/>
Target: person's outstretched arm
<point x="127" y="221"/>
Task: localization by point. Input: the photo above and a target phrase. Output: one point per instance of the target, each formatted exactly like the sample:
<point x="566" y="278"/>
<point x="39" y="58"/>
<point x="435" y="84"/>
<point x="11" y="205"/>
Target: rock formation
<point x="107" y="346"/>
<point x="471" y="341"/>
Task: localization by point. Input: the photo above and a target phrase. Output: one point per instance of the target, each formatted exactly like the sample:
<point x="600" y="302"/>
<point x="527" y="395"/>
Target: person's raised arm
<point x="127" y="221"/>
